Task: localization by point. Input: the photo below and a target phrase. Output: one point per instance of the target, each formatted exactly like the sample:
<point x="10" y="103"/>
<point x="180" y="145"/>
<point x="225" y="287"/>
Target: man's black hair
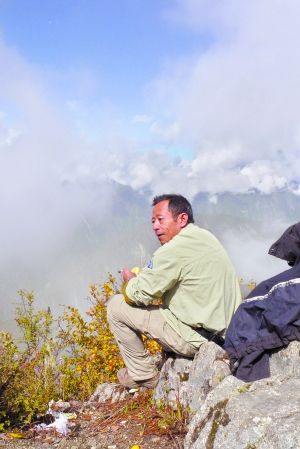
<point x="177" y="205"/>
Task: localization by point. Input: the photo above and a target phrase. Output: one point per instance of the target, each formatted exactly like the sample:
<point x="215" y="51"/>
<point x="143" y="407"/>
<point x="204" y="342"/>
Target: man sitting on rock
<point x="192" y="276"/>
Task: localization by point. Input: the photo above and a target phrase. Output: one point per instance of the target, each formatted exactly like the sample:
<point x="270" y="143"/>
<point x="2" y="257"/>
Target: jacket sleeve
<point x="153" y="283"/>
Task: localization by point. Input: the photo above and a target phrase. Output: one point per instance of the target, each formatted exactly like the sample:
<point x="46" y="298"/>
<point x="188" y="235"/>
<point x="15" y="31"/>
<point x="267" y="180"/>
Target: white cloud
<point x="167" y="133"/>
<point x="213" y="199"/>
<point x="49" y="179"/>
<point x="235" y="105"/>
<point x="263" y="177"/>
<point x="238" y="101"/>
<point x="8" y="136"/>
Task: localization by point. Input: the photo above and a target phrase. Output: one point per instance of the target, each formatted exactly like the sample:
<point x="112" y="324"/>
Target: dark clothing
<point x="265" y="286"/>
<point x="261" y="324"/>
<point x="287" y="247"/>
<point x="269" y="318"/>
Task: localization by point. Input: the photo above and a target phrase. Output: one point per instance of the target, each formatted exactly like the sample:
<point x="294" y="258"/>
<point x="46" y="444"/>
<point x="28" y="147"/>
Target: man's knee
<point x="113" y="306"/>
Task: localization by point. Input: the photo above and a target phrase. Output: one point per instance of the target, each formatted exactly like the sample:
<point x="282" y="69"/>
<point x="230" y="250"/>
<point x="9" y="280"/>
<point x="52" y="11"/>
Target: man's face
<point x="164" y="224"/>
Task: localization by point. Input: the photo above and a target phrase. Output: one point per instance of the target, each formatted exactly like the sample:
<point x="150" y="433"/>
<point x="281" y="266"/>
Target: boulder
<point x="172" y="385"/>
<point x="227" y="412"/>
<point x="286" y="361"/>
<point x="188" y="381"/>
<point x="210" y="366"/>
<point x="263" y="414"/>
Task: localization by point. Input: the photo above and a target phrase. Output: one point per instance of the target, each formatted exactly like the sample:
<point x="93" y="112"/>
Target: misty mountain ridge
<point x="251" y="209"/>
<point x="121" y="235"/>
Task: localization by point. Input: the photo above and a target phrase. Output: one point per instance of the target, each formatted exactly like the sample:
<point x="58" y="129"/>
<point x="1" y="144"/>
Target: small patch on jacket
<point x="150" y="264"/>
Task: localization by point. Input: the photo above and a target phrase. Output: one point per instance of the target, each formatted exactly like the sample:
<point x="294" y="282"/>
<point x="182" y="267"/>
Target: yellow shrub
<point x="92" y="355"/>
<point x="45" y="365"/>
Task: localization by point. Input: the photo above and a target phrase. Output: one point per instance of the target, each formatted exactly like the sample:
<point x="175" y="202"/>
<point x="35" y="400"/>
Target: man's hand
<point x="127" y="274"/>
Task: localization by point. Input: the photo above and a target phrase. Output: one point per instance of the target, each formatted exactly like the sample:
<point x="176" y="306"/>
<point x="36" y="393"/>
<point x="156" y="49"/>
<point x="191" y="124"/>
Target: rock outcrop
<point x="227" y="412"/>
<point x="261" y="415"/>
<point x="189" y="381"/>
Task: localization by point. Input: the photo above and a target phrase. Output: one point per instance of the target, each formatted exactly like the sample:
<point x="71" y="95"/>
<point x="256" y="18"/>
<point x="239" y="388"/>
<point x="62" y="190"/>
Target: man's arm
<point x="152" y="283"/>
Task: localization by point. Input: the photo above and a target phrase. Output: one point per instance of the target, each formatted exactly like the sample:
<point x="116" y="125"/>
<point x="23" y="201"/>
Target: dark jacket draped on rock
<point x="269" y="318"/>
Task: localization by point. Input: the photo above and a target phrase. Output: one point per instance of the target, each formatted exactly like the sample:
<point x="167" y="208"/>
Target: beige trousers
<point x="127" y="323"/>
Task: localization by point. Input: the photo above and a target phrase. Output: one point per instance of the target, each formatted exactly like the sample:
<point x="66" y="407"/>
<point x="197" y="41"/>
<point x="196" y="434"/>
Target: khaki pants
<point x="128" y="323"/>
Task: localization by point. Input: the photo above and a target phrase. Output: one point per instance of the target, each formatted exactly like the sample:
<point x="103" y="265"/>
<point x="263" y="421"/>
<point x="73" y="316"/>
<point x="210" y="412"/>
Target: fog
<point x="75" y="207"/>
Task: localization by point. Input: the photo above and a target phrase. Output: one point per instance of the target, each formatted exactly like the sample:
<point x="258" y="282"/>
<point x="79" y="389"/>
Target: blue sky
<point x="184" y="78"/>
<point x="173" y="95"/>
<point x="120" y="44"/>
<point x="182" y="95"/>
<point x="99" y="58"/>
<point x="200" y="91"/>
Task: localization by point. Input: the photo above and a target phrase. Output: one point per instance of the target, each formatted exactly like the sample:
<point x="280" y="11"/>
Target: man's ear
<point x="183" y="219"/>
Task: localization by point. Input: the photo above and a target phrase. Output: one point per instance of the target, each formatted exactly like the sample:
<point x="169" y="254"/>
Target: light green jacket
<point x="196" y="281"/>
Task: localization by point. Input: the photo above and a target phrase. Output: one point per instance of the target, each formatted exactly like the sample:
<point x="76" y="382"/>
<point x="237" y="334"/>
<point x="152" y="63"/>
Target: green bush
<point x="52" y="359"/>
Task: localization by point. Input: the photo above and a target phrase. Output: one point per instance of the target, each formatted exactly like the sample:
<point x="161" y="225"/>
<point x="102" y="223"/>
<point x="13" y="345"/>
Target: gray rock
<point x="172" y="385"/>
<point x="227" y="411"/>
<point x="105" y="391"/>
<point x="189" y="381"/>
<point x="210" y="366"/>
<point x="261" y="415"/>
<point x="286" y="361"/>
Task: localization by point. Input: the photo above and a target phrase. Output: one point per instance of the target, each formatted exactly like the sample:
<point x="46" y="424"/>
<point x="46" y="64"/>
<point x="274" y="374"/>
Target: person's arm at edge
<point x="152" y="283"/>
